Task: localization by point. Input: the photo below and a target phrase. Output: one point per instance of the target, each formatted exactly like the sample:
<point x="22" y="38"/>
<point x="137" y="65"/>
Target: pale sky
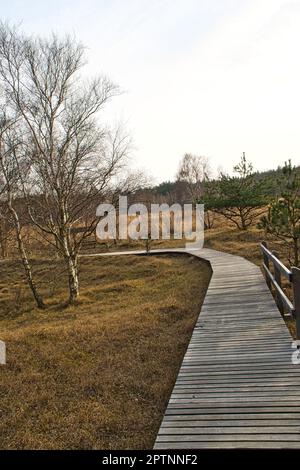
<point x="211" y="77"/>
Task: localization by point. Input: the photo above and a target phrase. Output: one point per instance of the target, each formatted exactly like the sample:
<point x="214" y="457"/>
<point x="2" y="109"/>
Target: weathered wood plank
<point x="279" y="419"/>
<point x="219" y="428"/>
<point x="227" y="445"/>
<point x="253" y="410"/>
<point x="228" y="437"/>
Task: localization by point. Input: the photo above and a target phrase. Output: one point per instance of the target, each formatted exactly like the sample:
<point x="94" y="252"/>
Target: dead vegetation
<point x="98" y="374"/>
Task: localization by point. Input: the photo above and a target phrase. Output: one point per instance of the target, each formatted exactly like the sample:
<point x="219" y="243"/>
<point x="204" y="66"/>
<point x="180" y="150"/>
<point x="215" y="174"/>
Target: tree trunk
<point x="208" y="220"/>
<point x="73" y="279"/>
<point x="70" y="259"/>
<point x="3" y="241"/>
<point x="67" y="246"/>
<point x="296" y="252"/>
<point x="243" y="220"/>
<point x="25" y="262"/>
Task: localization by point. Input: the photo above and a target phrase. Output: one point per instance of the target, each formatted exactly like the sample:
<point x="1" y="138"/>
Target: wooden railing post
<point x="266" y="261"/>
<point x="296" y="294"/>
<point x="277" y="275"/>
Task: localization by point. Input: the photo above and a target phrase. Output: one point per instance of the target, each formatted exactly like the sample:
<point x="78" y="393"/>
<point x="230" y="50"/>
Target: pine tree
<point x="239" y="198"/>
<point x="283" y="219"/>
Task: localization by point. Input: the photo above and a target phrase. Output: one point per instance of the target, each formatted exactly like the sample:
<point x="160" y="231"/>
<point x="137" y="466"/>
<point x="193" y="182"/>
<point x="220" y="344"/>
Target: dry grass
<point x="97" y="375"/>
<point x="226" y="237"/>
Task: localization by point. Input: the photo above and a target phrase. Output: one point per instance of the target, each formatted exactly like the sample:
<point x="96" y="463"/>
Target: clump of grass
<point x="97" y="375"/>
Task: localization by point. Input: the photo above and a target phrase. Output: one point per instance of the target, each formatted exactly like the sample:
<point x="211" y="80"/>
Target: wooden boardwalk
<point x="237" y="386"/>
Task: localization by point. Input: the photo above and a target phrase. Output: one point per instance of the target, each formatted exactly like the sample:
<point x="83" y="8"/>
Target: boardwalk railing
<point x="292" y="275"/>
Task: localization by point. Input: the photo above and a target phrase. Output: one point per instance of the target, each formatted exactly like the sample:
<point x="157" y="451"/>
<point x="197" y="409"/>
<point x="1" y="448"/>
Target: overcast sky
<point x="211" y="77"/>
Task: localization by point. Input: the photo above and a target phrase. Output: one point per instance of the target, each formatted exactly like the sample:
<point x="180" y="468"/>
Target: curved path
<point x="237" y="386"/>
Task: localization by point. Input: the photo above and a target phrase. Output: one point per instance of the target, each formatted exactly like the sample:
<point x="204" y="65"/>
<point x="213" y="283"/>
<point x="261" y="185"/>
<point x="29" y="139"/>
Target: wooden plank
<point x="219" y="428"/>
<point x="232" y="418"/>
<point x="212" y="382"/>
<point x="229" y="409"/>
<point x="242" y="365"/>
<point x="248" y="395"/>
<point x="256" y="444"/>
<point x="245" y="386"/>
<point x="238" y="437"/>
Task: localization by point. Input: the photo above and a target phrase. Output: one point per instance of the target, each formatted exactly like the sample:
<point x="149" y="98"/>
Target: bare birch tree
<point x="11" y="161"/>
<point x="72" y="158"/>
<point x="194" y="170"/>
